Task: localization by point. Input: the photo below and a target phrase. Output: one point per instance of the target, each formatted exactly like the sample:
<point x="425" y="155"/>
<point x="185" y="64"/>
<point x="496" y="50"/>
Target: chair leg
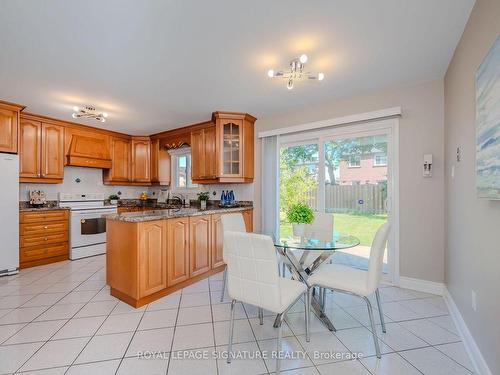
<point x="280" y="334"/>
<point x="283" y="270"/>
<point x="224" y="280"/>
<point x="323" y="298"/>
<point x="308" y="314"/>
<point x="372" y="322"/>
<point x="380" y="312"/>
<point x="231" y="326"/>
<point x="261" y="316"/>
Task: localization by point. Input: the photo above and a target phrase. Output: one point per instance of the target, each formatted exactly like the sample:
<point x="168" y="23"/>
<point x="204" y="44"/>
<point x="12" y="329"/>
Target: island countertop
<point x="160" y="214"/>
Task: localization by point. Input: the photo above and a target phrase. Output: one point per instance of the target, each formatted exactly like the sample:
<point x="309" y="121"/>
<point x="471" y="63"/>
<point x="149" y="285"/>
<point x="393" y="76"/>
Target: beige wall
<point x="421" y="199"/>
<point x="472" y="224"/>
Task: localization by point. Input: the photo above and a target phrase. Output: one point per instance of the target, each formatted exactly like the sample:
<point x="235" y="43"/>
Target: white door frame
<point x="388" y="126"/>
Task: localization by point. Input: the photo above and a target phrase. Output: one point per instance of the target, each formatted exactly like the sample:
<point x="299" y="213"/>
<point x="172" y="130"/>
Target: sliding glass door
<point x="346" y="172"/>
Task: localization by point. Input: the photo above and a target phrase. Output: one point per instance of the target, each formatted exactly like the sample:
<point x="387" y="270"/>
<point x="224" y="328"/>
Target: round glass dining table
<point x="303" y="255"/>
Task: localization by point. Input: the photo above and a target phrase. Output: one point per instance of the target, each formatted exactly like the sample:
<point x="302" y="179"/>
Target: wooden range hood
<point x="87" y="151"/>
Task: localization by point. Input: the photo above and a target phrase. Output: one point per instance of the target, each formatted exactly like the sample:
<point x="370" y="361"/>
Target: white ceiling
<point x="159" y="64"/>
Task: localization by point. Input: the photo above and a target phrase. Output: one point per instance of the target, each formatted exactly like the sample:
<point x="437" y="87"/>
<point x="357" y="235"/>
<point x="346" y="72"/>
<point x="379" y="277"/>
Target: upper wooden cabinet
<point x="203" y="155"/>
<point x="41" y="152"/>
<point x="9" y="122"/>
<point x="141" y="160"/>
<point x="160" y="164"/>
<point x="120" y="161"/>
<point x="234" y="146"/>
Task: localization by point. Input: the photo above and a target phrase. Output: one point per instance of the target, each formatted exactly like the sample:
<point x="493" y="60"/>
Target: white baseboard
<point x="480" y="365"/>
<point x="421" y="285"/>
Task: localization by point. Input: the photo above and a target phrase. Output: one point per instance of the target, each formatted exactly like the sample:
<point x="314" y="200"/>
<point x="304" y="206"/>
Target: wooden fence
<point x="364" y="199"/>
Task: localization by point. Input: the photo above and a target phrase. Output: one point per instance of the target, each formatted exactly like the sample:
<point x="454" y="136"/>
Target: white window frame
<point x="349" y="162"/>
<point x="375" y="164"/>
<point x="388" y="126"/>
<point x="175" y="154"/>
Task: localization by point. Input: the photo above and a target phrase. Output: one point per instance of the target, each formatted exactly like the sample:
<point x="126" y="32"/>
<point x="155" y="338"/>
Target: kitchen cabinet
<point x="9" y="122"/>
<point x="152" y="257"/>
<point x="248" y="219"/>
<point x="177" y="250"/>
<point x="120" y="161"/>
<point x="85" y="147"/>
<point x="203" y="155"/>
<point x="199" y="244"/>
<point x="43" y="237"/>
<point x="41" y="152"/>
<point x="141" y="160"/>
<point x="234" y="146"/>
<point x="160" y="164"/>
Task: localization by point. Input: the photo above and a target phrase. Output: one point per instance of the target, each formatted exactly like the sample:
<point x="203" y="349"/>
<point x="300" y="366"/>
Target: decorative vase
<point x="299" y="230"/>
<point x="114" y="202"/>
<point x="203" y="205"/>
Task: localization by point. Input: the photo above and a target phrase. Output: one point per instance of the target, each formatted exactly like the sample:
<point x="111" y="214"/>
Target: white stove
<point x="87" y="224"/>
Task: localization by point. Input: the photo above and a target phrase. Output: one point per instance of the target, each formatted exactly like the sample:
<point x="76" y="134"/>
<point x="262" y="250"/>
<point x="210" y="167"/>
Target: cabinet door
<point x="30" y="144"/>
<point x="248" y="218"/>
<point x="152" y="258"/>
<point x="120" y="157"/>
<point x="52" y="151"/>
<point x="177" y="250"/>
<point x="217" y="259"/>
<point x="141" y="162"/>
<point x="197" y="155"/>
<point x="155" y="151"/>
<point x="210" y="153"/>
<point x="8" y="130"/>
<point x="200" y="255"/>
<point x="231" y="153"/>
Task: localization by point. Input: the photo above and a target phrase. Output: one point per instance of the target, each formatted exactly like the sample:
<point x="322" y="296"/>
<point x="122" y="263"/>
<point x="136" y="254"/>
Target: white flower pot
<point x="299" y="230"/>
<point x="203" y="205"/>
<point x="113" y="201"/>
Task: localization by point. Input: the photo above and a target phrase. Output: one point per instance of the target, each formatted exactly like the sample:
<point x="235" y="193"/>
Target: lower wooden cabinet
<point x="177" y="250"/>
<point x="152" y="257"/>
<point x="199" y="244"/>
<point x="43" y="237"/>
<point x="217" y="238"/>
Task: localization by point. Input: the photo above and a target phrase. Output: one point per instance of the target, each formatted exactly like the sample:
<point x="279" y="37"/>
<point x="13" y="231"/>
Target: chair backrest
<point x="232" y="222"/>
<point x="321" y="228"/>
<point x="377" y="256"/>
<point x="252" y="269"/>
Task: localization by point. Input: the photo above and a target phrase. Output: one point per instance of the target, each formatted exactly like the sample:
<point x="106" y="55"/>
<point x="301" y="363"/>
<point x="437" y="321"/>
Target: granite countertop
<point x="25" y="206"/>
<point x="138" y="217"/>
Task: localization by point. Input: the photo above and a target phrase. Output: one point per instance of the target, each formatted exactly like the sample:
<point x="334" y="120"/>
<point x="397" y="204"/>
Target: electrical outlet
<point x="473" y="300"/>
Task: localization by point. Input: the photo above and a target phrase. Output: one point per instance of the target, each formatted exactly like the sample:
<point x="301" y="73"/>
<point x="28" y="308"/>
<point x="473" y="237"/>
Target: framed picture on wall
<point x="488" y="125"/>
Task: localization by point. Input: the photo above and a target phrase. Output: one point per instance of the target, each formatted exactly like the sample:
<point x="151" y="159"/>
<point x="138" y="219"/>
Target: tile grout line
<point x="173" y="334"/>
<point x="24" y="363"/>
<point x="213" y="323"/>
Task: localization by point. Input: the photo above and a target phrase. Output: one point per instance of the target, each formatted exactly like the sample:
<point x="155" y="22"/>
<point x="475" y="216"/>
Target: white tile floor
<point x="61" y="319"/>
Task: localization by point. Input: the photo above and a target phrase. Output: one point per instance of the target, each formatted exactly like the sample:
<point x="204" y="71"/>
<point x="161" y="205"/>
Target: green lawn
<point x="360" y="226"/>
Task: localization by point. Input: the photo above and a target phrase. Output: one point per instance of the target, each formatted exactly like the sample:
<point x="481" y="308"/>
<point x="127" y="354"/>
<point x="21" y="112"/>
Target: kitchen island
<point x="153" y="253"/>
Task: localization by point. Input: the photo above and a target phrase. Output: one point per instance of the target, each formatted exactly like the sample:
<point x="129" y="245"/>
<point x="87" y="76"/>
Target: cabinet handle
<point x="45" y="227"/>
<point x="46" y="239"/>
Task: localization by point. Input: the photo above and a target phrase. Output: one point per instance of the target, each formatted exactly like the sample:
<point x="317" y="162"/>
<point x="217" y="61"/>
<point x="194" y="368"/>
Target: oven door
<point x="88" y="227"/>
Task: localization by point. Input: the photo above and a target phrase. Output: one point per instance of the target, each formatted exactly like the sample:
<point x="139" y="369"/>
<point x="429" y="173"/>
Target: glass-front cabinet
<point x="234" y="144"/>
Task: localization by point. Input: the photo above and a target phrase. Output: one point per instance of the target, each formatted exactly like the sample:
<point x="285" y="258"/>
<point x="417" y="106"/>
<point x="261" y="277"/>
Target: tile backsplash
<point x="91" y="182"/>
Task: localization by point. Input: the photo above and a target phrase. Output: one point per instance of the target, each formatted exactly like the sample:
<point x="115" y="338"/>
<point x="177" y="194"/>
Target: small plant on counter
<point x="300" y="215"/>
<point x="203" y="198"/>
<point x="113" y="199"/>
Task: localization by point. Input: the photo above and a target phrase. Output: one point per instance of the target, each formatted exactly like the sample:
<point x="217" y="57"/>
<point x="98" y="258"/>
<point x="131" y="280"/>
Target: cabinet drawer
<point x="43" y="216"/>
<point x="26" y="241"/>
<point x="42" y="252"/>
<point x="42" y="229"/>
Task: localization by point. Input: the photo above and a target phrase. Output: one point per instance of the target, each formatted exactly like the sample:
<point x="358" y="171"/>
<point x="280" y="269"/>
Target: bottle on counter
<point x="223" y="198"/>
<point x="231" y="198"/>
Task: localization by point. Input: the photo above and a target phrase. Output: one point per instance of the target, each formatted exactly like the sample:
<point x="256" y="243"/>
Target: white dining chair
<point x="253" y="278"/>
<point x="344" y="279"/>
<point x="231" y="222"/>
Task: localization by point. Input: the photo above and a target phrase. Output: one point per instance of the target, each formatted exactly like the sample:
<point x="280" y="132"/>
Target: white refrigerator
<point x="9" y="214"/>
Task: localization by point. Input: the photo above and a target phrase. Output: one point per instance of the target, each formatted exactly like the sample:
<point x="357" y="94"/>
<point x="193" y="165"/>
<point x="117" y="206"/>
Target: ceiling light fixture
<point x="296" y="72"/>
<point x="89" y="111"/>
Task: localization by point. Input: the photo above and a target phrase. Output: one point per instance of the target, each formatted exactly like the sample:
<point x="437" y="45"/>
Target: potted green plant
<point x="203" y="198"/>
<point x="300" y="215"/>
<point x="113" y="199"/>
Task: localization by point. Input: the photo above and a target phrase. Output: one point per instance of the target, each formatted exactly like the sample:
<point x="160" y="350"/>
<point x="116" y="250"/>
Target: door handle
<point x="82" y="221"/>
